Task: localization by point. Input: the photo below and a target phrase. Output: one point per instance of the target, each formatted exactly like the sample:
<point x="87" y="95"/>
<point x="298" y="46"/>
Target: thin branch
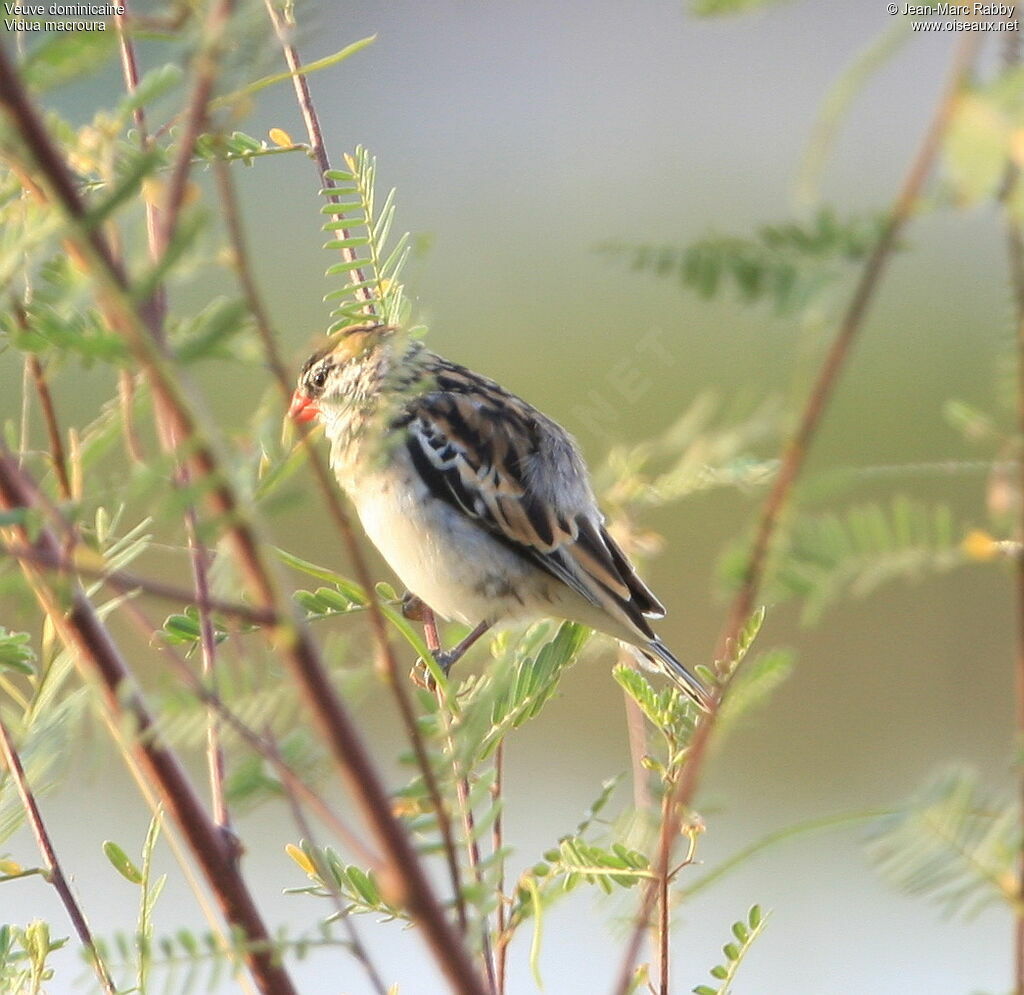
<point x="329" y="491"/>
<point x="468" y="827"/>
<point x="1015" y="252"/>
<point x="409" y="882"/>
<point x="204" y="74"/>
<point x="357" y="947"/>
<point x="208" y="650"/>
<point x="158" y="301"/>
<point x="81" y="630"/>
<point x="57" y="455"/>
<point x="636" y="727"/>
<point x="55" y="873"/>
<point x="316" y="141"/>
<point x="663" y="881"/>
<point x="34" y="369"/>
<point x="497" y="844"/>
<point x="792" y="463"/>
<point x="124" y="582"/>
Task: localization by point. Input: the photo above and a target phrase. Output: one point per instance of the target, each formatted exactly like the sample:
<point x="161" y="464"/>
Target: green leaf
<point x="152" y="86"/>
<point x="365" y="229"/>
<point x="746" y="933"/>
<point x="206" y="335"/>
<point x="755" y="683"/>
<point x="139" y="166"/>
<point x="670" y="711"/>
<point x="311" y="67"/>
<point x="122" y="863"/>
<point x="533" y="680"/>
<point x="16" y="652"/>
<point x="64" y="56"/>
<point x="348" y="588"/>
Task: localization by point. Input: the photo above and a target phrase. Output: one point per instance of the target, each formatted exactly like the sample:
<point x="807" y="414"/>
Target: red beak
<point x="303" y="407"/>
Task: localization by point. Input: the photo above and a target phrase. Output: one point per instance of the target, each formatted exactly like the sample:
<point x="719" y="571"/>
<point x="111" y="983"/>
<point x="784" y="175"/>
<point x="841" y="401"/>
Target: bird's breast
<point x="438" y="552"/>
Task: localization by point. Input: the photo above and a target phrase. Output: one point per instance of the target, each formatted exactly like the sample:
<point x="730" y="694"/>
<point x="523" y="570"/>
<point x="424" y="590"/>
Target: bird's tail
<point x="659" y="654"/>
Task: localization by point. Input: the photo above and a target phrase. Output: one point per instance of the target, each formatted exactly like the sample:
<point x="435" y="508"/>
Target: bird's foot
<point x="421" y="674"/>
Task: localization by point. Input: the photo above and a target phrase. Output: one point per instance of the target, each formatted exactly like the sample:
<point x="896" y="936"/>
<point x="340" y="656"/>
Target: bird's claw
<point x="421" y="674"/>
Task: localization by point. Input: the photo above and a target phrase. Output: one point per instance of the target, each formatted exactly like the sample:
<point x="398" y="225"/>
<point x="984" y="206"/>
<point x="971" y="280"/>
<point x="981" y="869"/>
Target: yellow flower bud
<point x="979" y="545"/>
<point x="301" y="858"/>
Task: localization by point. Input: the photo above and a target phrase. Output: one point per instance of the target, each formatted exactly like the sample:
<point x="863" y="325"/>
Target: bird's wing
<point x="521" y="479"/>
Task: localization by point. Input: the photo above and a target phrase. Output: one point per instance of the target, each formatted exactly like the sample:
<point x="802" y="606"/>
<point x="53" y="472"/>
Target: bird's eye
<point x="319" y="378"/>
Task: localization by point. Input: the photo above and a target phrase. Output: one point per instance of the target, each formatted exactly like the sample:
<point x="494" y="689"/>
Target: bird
<point x="481" y="504"/>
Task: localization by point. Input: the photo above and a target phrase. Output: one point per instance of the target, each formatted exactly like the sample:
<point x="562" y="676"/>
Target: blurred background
<point x="521" y="137"/>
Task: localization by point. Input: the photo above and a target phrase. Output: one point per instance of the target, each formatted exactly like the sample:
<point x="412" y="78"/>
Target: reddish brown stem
<point x="410" y="884"/>
<point x="204" y="74"/>
<point x="127" y="583"/>
<point x="53" y="867"/>
<point x="835" y="359"/>
<point x="792" y="463"/>
<point x="57" y="454"/>
<point x="96" y="654"/>
<point x="497" y="842"/>
<point x="1015" y="251"/>
<point x="329" y="490"/>
<point x="316" y="141"/>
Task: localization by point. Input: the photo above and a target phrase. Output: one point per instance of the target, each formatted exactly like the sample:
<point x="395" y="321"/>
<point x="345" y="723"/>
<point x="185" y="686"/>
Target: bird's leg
<point x="417" y="610"/>
<point x="446" y="658"/>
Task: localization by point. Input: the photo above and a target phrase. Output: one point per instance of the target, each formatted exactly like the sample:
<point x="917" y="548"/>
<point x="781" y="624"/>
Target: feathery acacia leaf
<point x="745" y="932"/>
<point x="826" y="557"/>
<point x="787" y="264"/>
<point x="952" y="843"/>
<point x="366" y="233"/>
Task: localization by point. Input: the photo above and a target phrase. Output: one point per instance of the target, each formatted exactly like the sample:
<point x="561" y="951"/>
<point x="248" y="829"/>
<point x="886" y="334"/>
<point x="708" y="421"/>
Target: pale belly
<point x="443" y="557"/>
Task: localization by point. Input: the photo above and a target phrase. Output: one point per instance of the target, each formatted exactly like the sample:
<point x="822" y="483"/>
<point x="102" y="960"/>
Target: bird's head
<point x="345" y="373"/>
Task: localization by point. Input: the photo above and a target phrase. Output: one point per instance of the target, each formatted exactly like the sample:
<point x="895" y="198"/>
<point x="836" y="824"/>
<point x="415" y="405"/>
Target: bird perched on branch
<point x="481" y="504"/>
